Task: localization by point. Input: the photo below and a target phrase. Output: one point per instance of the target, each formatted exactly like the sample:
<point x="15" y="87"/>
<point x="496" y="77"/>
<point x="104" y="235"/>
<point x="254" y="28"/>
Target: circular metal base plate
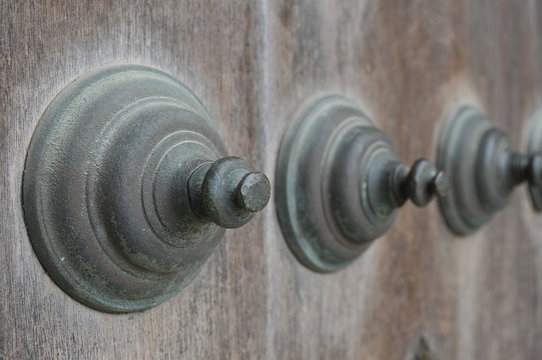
<point x="327" y="161"/>
<point x="534" y="146"/>
<point x="459" y="156"/>
<point x="101" y="222"/>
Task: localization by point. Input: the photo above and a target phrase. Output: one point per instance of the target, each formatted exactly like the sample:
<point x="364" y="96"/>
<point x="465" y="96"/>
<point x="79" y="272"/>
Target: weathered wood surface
<point x="252" y="62"/>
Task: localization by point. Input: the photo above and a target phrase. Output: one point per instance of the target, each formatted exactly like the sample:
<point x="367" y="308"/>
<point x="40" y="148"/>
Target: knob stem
<point x="419" y="183"/>
<point x="525" y="168"/>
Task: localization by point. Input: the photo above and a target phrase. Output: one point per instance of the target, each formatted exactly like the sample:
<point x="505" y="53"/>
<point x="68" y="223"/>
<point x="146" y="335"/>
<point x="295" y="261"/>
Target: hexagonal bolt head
<point x="253" y="192"/>
<point x="424" y="181"/>
<point x="228" y="192"/>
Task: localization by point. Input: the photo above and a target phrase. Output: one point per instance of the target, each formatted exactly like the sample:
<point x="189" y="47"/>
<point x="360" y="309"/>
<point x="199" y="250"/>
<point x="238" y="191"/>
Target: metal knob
<point x="125" y="216"/>
<point x="419" y="183"/>
<point x="485" y="169"/>
<point x="523" y="168"/>
<point x="339" y="182"/>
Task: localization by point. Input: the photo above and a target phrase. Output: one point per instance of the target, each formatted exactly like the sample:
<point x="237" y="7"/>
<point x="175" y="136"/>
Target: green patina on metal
<point x="483" y="169"/>
<point x="339" y="181"/>
<point x="128" y="188"/>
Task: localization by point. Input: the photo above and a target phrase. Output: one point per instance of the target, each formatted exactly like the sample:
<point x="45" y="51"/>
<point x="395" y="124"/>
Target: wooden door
<point x="253" y="63"/>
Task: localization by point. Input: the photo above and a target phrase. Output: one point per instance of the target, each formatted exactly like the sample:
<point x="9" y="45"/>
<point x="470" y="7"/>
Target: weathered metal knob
<point x="228" y="192"/>
<point x="479" y="159"/>
<point x="419" y="183"/>
<point x="339" y="182"/>
<point x="128" y="188"/>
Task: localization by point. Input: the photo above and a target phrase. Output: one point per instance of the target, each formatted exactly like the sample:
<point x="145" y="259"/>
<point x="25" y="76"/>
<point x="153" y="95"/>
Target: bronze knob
<point x="339" y="181"/>
<point x="128" y="188"/>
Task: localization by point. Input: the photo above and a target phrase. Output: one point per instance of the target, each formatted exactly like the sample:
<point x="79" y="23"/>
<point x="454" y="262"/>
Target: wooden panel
<point x="252" y="63"/>
<point x="409" y="64"/>
<point x="212" y="46"/>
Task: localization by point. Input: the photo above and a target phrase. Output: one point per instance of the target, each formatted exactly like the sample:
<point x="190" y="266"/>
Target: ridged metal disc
<point x="329" y="163"/>
<point x="534" y="146"/>
<point x="476" y="192"/>
<point x="107" y="230"/>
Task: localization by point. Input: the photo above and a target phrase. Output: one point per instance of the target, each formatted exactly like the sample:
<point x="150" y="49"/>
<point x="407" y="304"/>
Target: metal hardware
<point x="423" y="351"/>
<point x="483" y="169"/>
<point x="534" y="147"/>
<point x="339" y="181"/>
<point x="128" y="188"/>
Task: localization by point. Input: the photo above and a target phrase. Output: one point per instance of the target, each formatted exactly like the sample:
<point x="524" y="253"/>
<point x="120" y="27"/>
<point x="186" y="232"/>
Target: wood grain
<point x="213" y="47"/>
<point x="407" y="63"/>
